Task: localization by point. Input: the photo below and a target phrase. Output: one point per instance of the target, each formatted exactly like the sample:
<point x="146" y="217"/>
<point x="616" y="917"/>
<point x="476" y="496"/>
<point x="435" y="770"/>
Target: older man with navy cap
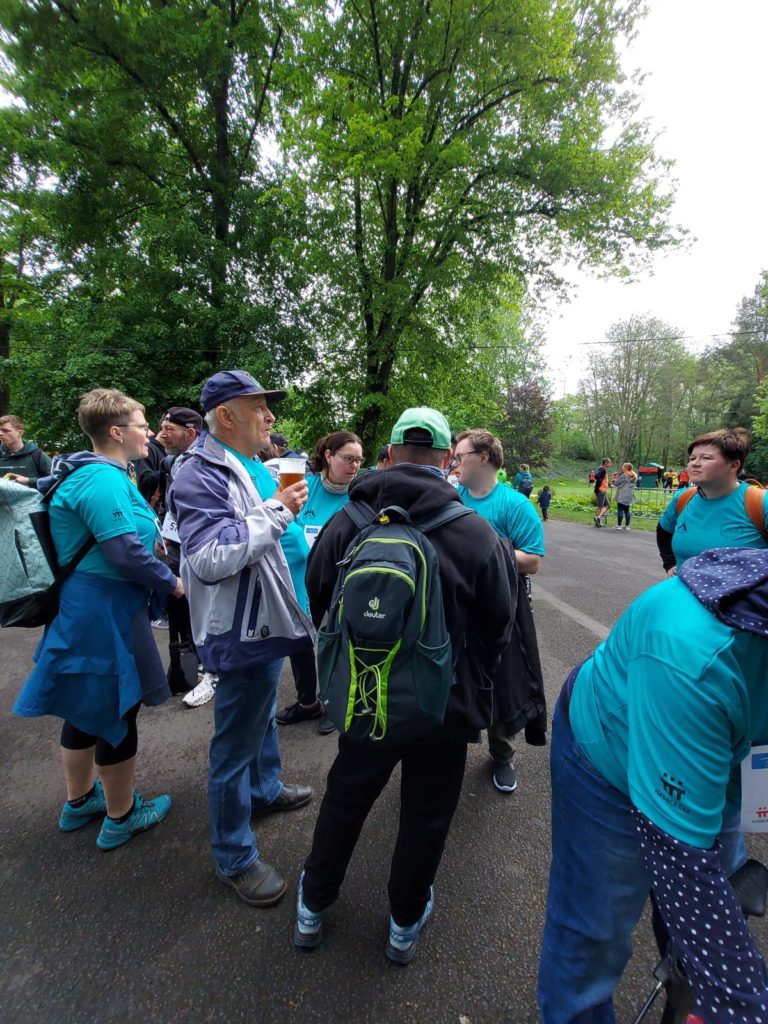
<point x="245" y="617"/>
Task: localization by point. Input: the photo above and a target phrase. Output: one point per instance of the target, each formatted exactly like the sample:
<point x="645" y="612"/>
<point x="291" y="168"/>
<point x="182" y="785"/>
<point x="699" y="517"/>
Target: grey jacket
<point x="625" y="489"/>
<point x="242" y="602"/>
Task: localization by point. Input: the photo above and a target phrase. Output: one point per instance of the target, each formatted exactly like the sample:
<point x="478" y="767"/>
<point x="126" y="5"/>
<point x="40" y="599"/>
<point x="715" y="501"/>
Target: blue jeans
<point x="598" y="886"/>
<point x="244" y="768"/>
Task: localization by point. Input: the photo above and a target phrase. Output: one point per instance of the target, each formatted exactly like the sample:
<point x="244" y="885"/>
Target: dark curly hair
<point x="332" y="443"/>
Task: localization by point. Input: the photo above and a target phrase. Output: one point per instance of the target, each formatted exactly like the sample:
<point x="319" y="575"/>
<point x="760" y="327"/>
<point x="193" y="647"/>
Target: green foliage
<point x="143" y="126"/>
<point x="441" y="142"/>
<point x="526" y="430"/>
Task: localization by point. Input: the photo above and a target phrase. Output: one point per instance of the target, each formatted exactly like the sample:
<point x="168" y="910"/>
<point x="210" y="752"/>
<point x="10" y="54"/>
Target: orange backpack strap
<point x="684" y="498"/>
<point x="754" y="500"/>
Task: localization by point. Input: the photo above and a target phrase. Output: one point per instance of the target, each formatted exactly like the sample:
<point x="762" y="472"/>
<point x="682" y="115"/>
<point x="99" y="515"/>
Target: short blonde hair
<point x="12" y="421"/>
<point x="103" y="408"/>
<point x="485" y="441"/>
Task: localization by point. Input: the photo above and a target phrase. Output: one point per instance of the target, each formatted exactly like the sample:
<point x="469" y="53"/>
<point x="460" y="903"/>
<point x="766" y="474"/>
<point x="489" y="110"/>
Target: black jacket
<point x="474" y="575"/>
<point x="518" y="679"/>
<point x="148" y="470"/>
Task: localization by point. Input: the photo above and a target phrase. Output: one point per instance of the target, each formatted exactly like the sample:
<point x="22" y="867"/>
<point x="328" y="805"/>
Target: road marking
<point x="541" y="593"/>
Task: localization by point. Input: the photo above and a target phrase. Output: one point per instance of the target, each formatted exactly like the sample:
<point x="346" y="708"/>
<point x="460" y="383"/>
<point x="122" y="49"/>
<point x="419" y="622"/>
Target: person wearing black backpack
<point x="479" y="612"/>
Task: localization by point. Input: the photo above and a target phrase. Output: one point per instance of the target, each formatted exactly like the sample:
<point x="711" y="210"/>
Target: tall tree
<point x="150" y="117"/>
<point x="626" y="383"/>
<point x="444" y="142"/>
<point x="526" y="431"/>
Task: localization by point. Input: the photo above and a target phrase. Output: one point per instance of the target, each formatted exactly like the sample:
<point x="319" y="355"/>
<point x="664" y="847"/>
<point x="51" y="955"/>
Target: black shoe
<point x="260" y="885"/>
<point x="298" y="713"/>
<point x="326" y="726"/>
<point x="291" y="798"/>
<point x="504" y="777"/>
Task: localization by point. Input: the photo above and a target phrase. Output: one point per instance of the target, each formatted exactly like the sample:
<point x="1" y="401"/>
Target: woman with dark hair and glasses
<point x="335" y="461"/>
<point x="97" y="662"/>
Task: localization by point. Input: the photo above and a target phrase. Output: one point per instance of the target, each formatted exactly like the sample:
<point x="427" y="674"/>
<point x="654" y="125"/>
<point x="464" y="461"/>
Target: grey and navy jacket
<point x="242" y="602"/>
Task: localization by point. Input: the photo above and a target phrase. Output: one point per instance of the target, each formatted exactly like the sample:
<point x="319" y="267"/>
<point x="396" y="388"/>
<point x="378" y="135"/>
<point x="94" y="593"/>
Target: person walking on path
<point x="523" y="481"/>
<point x="245" y="618"/>
<point x="545" y="500"/>
<point x="97" y="662"/>
<point x="625" y="484"/>
<point x="474" y="573"/>
<point x="601" y="491"/>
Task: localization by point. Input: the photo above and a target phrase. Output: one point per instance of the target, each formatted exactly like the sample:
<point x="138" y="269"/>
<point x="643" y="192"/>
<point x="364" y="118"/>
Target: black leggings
<point x="73" y="739"/>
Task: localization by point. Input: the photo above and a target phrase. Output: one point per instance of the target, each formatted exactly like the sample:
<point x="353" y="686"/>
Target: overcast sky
<point x="706" y="92"/>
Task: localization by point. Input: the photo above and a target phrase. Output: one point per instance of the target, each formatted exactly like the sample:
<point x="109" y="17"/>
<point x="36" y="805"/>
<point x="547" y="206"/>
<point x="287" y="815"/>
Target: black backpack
<point x="526" y="486"/>
<point x="385" y="665"/>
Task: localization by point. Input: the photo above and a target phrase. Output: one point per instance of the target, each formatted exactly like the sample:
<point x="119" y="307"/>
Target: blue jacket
<point x="242" y="603"/>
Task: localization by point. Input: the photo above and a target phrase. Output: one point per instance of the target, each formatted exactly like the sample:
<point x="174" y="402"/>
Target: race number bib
<point x="754" y="790"/>
<point x="310" y="534"/>
<point x="170" y="530"/>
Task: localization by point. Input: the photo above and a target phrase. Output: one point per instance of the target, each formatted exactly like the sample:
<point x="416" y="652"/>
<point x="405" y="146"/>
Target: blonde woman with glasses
<point x="97" y="662"/>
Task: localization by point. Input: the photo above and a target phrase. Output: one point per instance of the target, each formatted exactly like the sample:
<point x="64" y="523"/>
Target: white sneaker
<point x="202" y="693"/>
<point x="160" y="623"/>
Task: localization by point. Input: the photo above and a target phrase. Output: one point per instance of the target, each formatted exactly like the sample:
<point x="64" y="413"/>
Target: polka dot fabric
<point x="733" y="584"/>
<point x="705" y="922"/>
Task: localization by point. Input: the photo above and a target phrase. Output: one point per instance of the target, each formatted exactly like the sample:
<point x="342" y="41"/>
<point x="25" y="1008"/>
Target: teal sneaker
<point x="94" y="807"/>
<point x="308" y="929"/>
<point x="401" y="944"/>
<point x="146" y="814"/>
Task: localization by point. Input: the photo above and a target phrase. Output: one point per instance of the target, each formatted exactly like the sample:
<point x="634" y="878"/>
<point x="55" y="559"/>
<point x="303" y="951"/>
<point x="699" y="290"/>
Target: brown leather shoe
<point x="290" y="799"/>
<point x="260" y="885"/>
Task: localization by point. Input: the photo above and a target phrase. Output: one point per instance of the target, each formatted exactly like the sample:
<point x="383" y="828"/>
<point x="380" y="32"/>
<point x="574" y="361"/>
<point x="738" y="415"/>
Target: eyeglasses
<point x="351" y="460"/>
<point x="141" y="426"/>
<point x="458" y="459"/>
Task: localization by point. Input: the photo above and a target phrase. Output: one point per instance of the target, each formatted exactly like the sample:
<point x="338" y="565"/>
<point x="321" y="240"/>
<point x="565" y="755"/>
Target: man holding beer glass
<point x="238" y="538"/>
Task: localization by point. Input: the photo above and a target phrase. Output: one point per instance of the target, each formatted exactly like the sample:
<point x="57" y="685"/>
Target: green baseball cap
<point x="421" y="420"/>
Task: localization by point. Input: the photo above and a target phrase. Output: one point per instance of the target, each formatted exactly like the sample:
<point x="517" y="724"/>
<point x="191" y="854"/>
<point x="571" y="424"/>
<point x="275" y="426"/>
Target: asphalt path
<point x="146" y="933"/>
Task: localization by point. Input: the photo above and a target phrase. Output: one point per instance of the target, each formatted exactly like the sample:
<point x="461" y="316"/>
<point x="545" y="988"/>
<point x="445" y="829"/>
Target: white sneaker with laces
<point x="160" y="623"/>
<point x="202" y="693"/>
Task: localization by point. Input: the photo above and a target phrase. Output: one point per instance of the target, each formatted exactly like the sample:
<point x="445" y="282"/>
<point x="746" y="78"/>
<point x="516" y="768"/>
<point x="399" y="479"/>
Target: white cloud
<point x="706" y="91"/>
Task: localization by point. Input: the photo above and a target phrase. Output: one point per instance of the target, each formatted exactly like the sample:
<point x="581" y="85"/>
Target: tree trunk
<point x="5" y="352"/>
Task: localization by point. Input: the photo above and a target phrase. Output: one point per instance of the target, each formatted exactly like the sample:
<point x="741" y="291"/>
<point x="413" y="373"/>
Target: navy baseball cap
<point x="228" y="384"/>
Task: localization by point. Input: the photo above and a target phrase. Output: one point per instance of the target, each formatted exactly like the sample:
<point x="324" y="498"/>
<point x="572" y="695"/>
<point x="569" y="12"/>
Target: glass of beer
<point x="291" y="471"/>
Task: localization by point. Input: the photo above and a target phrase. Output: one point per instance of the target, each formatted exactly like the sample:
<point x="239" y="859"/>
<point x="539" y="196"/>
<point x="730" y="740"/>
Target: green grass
<point x="572" y="497"/>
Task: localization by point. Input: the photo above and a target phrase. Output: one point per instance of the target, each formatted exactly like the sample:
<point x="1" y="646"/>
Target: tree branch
<point x="262" y="100"/>
<point x="105" y="50"/>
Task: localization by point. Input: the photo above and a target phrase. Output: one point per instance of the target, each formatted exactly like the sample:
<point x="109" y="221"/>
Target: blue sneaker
<point x="401" y="944"/>
<point x="146" y="814"/>
<point x="94" y="807"/>
<point x="308" y="930"/>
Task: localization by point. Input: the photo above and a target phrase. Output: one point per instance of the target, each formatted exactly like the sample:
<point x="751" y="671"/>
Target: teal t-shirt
<point x="98" y="498"/>
<point x="321" y="506"/>
<point x="511" y="515"/>
<point x="671" y="729"/>
<point x="294" y="545"/>
<point x="711" y="523"/>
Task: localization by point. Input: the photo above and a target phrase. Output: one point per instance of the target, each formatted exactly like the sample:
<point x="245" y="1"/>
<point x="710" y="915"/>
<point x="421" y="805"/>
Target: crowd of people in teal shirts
<point x="646" y="751"/>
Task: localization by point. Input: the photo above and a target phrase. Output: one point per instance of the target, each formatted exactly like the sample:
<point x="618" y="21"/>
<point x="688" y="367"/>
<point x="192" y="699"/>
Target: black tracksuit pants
<point x="432" y="773"/>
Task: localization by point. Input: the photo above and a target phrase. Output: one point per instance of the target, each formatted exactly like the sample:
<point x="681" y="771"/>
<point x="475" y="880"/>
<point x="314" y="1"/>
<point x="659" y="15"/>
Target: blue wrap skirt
<point x="97" y="659"/>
